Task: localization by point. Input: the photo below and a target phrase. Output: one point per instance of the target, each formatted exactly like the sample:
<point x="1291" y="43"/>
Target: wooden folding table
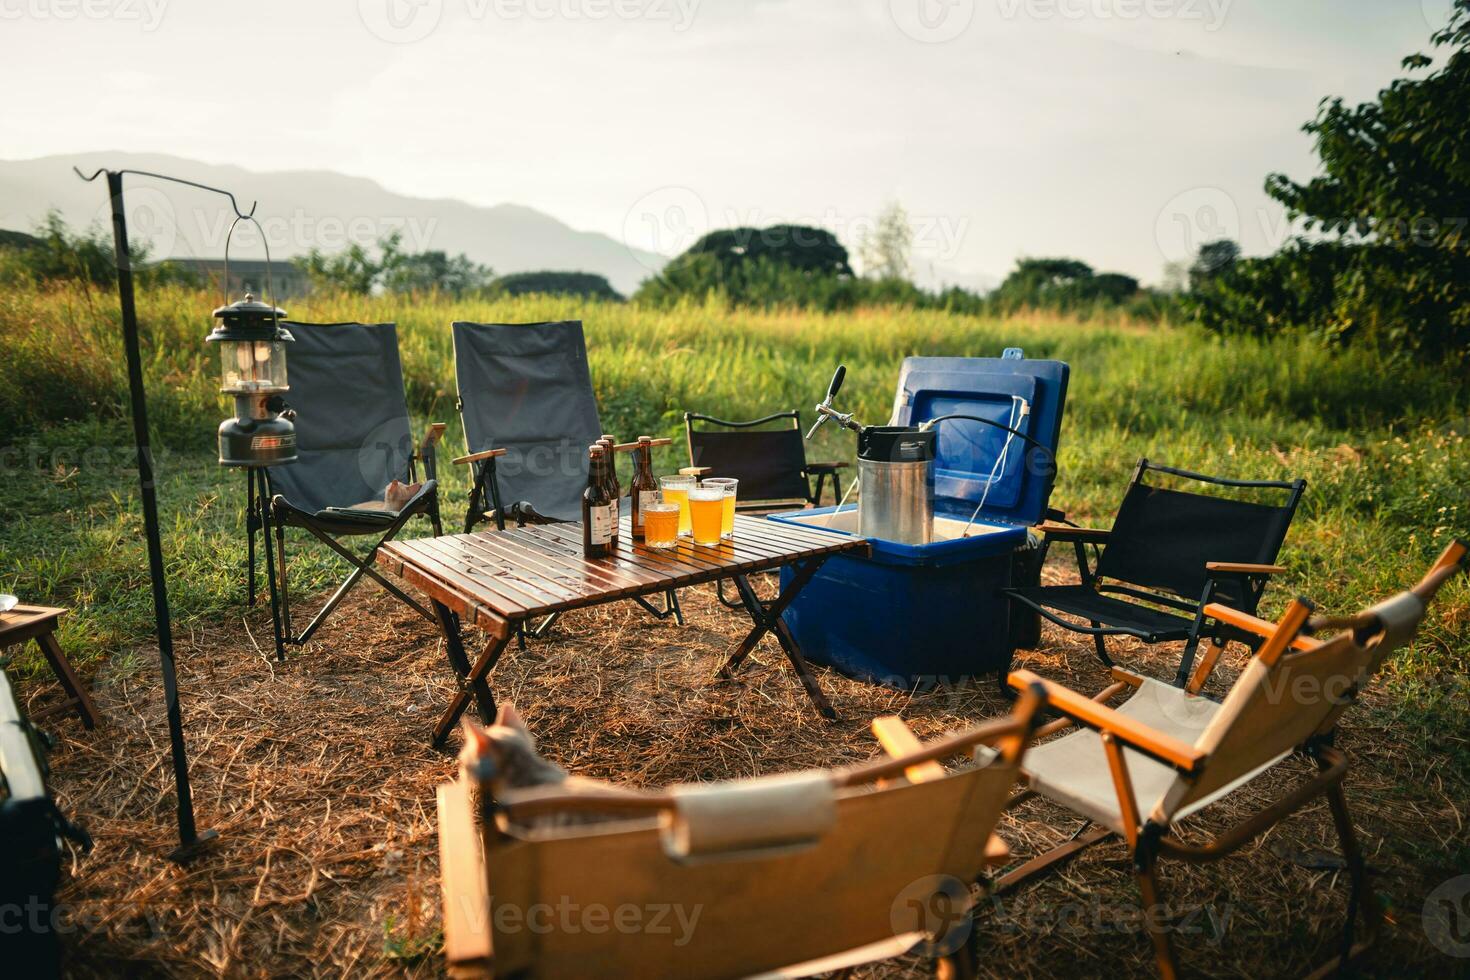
<point x="39" y="623"/>
<point x="497" y="580"/>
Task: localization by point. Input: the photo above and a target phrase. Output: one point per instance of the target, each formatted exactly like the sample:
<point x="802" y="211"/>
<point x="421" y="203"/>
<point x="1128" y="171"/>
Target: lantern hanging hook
<point x="234" y="206"/>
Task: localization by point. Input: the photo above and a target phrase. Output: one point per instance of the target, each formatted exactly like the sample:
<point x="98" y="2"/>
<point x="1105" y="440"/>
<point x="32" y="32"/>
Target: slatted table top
<point x="527" y="572"/>
<point x="24" y="622"/>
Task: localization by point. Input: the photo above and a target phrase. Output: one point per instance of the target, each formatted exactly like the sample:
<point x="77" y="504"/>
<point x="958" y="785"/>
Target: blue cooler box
<point x="933" y="614"/>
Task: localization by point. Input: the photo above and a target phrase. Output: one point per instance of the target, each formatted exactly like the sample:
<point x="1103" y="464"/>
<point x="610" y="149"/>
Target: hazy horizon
<point x="653" y="120"/>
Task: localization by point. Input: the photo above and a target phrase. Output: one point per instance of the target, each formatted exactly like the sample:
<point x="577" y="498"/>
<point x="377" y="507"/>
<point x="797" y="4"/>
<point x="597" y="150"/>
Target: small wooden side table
<point x="39" y="623"/>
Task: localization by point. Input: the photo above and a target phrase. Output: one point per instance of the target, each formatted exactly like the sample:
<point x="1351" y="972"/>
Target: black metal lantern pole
<point x="190" y="838"/>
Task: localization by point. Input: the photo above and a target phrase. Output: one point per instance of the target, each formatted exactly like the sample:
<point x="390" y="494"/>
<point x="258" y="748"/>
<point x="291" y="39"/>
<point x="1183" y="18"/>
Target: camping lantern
<point x="252" y="345"/>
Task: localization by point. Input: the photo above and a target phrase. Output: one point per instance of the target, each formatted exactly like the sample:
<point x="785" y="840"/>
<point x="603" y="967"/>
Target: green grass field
<point x="1382" y="444"/>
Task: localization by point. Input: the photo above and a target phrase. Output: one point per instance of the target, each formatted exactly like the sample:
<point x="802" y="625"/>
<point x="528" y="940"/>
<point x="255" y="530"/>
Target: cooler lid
<point x="1027" y="395"/>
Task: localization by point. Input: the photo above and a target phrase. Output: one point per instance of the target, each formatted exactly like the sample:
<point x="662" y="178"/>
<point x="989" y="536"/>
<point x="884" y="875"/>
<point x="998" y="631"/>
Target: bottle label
<point x="646" y="498"/>
<point x="601" y="525"/>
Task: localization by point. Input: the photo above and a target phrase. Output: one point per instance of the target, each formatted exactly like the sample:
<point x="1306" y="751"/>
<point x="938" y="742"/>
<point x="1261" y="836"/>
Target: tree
<point x="782" y="264"/>
<point x="1392" y="200"/>
<point x="55" y="252"/>
<point x="885" y="250"/>
<point x="354" y="270"/>
<point x="583" y="284"/>
<point x="1213" y="259"/>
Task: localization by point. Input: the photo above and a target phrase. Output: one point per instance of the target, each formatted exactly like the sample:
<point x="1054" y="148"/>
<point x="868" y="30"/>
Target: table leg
<point x="448" y="622"/>
<point x="475" y="685"/>
<point x="70" y="683"/>
<point x="768" y="619"/>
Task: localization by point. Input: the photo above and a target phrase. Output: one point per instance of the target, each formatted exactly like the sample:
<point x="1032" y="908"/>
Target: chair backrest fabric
<point x="779" y="901"/>
<point x="353" y="435"/>
<point x="1271" y="710"/>
<point x="1162" y="538"/>
<point x="527" y="388"/>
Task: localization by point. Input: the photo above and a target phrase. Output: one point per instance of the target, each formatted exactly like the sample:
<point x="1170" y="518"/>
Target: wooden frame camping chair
<point x="1169" y="554"/>
<point x="353" y="438"/>
<point x="1166" y="753"/>
<point x="789" y="875"/>
<point x="529" y="414"/>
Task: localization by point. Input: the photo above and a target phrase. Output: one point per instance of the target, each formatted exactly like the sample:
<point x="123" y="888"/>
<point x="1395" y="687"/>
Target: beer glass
<point x="661" y="524"/>
<point x="676" y="491"/>
<point x="706" y="508"/>
<point x="727" y="517"/>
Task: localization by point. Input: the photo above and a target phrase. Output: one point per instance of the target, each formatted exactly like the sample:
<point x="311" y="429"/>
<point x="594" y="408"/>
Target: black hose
<point x="1005" y="428"/>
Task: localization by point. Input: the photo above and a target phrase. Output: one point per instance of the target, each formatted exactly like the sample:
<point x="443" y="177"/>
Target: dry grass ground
<point x="319" y="776"/>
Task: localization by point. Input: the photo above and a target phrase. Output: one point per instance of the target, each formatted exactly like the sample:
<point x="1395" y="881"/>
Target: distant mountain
<point x="305" y="208"/>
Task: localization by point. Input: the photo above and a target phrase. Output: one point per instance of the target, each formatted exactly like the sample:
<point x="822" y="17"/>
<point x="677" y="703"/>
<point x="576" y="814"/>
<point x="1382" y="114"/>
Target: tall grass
<point x="1383" y="445"/>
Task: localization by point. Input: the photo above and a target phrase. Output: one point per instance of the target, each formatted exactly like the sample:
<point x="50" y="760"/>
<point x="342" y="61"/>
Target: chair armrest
<point x="897" y="740"/>
<point x="694" y="470"/>
<point x="1065" y="532"/>
<point x="432" y="435"/>
<point x="1253" y="624"/>
<point x="476" y="457"/>
<point x="825" y="467"/>
<point x="1243" y="568"/>
<point x="1153" y="743"/>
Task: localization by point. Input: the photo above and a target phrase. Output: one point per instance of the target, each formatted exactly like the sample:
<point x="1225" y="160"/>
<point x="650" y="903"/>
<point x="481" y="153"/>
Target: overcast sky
<point x="1122" y="132"/>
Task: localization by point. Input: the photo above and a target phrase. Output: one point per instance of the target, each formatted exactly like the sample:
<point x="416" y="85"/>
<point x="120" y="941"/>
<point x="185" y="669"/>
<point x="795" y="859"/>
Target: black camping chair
<point x="353" y="439"/>
<point x="770" y="463"/>
<point x="1176" y="549"/>
<point x="529" y="413"/>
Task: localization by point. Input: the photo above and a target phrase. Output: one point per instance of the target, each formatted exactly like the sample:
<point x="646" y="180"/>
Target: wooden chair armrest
<point x="466" y="890"/>
<point x="476" y="457"/>
<point x="1065" y="532"/>
<point x="434" y="433"/>
<point x="1153" y="743"/>
<point x="1253" y="624"/>
<point x="694" y="470"/>
<point x="1124" y="677"/>
<point x="825" y="467"/>
<point x="1243" y="568"/>
<point x="897" y="739"/>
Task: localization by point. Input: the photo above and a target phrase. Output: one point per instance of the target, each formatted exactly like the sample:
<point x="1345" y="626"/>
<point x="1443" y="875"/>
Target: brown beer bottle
<point x="644" y="488"/>
<point x="613" y="490"/>
<point x="596" y="514"/>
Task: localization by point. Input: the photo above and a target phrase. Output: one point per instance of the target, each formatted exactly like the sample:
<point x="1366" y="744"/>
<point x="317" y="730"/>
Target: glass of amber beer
<point x="675" y="490"/>
<point x="661" y="525"/>
<point x="706" y="508"/>
<point x="730" y="486"/>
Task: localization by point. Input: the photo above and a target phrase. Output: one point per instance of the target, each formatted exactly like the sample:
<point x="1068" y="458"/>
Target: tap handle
<point x="836" y="384"/>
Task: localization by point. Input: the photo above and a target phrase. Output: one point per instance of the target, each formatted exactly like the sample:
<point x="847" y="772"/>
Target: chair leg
<point x="1186" y="662"/>
<point x="277" y="623"/>
<point x="1101" y="646"/>
<point x="1145" y="869"/>
<point x="252" y="523"/>
<point x="1361" y="897"/>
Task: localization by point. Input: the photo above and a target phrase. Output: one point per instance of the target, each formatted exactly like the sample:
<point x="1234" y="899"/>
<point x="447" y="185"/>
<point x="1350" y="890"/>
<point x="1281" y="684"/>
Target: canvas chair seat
<point x="351" y="520"/>
<point x="1073" y="770"/>
<point x="1149" y="624"/>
